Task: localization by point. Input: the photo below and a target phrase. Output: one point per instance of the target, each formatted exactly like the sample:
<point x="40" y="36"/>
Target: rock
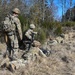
<point x="17" y="64"/>
<point x="59" y="39"/>
<point x="33" y="54"/>
<point x="36" y="43"/>
<point x="52" y="42"/>
<point x="71" y="34"/>
<point x="66" y="37"/>
<point x="65" y="59"/>
<point x="11" y="67"/>
<point x="5" y="62"/>
<point x="5" y="65"/>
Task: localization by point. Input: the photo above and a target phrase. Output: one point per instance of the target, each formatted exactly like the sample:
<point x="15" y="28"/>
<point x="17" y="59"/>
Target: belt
<point x="11" y="33"/>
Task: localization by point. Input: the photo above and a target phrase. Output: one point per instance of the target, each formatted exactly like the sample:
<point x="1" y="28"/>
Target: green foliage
<point x="24" y="22"/>
<point x="58" y="30"/>
<point x="41" y="36"/>
<point x="68" y="24"/>
<point x="47" y="25"/>
<point x="52" y="27"/>
<point x="43" y="30"/>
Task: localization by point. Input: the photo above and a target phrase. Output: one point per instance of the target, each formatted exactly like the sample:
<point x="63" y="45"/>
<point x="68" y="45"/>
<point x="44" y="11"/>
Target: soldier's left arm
<point x="35" y="32"/>
<point x="18" y="24"/>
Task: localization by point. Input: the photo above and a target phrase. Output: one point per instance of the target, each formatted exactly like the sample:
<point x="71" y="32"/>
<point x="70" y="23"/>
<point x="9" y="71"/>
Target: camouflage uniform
<point x="30" y="32"/>
<point x="29" y="35"/>
<point x="12" y="44"/>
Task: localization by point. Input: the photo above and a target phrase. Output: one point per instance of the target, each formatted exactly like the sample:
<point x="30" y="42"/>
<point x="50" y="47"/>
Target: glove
<point x="35" y="32"/>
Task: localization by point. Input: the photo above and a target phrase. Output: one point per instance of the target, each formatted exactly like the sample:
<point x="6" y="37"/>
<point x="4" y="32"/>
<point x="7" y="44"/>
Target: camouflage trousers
<point x="12" y="45"/>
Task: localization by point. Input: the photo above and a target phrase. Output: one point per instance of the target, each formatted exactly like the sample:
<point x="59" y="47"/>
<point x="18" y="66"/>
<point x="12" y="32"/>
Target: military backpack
<point x="8" y="24"/>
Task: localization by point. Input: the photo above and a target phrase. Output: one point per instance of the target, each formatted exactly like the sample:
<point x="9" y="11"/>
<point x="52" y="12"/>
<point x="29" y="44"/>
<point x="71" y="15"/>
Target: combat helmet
<point x="16" y="10"/>
<point x="32" y="26"/>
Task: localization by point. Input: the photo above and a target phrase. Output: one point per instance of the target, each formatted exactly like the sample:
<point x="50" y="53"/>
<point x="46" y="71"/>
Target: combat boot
<point x="14" y="55"/>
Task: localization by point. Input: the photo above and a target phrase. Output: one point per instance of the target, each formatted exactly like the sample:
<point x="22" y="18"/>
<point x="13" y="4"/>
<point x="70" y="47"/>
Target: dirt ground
<point x="61" y="61"/>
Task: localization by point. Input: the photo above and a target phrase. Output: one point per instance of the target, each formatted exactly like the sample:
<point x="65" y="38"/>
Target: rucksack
<point x="8" y="24"/>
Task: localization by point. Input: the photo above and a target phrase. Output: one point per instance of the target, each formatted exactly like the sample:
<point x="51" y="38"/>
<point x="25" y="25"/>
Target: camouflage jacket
<point x="29" y="33"/>
<point x="18" y="26"/>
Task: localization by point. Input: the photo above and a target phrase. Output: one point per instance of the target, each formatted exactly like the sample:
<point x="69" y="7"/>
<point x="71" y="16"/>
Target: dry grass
<point x="60" y="62"/>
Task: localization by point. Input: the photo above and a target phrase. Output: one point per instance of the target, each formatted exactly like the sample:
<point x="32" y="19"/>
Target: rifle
<point x="30" y="44"/>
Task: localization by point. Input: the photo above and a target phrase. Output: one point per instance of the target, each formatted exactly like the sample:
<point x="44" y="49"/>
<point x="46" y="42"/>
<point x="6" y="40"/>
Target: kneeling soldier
<point x="29" y="35"/>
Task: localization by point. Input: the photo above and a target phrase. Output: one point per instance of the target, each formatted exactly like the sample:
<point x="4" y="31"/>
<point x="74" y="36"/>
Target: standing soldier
<point x="12" y="42"/>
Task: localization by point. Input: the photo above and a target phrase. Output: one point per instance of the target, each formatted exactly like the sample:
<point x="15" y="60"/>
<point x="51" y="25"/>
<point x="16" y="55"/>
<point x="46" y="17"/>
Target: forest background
<point x="51" y="17"/>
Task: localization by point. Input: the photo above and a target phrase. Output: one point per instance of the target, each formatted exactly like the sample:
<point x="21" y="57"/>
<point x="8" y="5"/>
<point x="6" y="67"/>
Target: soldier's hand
<point x="20" y="37"/>
<point x="35" y="32"/>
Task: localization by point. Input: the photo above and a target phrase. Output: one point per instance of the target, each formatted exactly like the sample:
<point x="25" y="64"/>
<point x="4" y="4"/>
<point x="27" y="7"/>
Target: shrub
<point x="41" y="36"/>
<point x="58" y="30"/>
<point x="68" y="24"/>
<point x="52" y="27"/>
<point x="24" y="22"/>
<point x="43" y="30"/>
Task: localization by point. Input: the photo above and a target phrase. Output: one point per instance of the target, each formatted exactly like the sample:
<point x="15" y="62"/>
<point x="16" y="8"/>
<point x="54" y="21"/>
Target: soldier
<point x="29" y="35"/>
<point x="12" y="42"/>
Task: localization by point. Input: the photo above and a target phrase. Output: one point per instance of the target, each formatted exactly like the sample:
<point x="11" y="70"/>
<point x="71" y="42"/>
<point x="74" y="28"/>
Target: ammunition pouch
<point x="11" y="33"/>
